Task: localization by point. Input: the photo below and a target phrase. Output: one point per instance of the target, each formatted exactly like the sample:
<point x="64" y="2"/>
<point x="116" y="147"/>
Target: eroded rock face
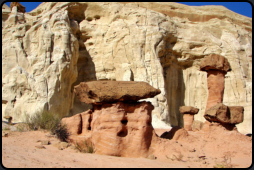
<point x="161" y="43"/>
<point x="116" y="129"/>
<point x="224" y="114"/>
<point x="113" y="91"/>
<point x="39" y="59"/>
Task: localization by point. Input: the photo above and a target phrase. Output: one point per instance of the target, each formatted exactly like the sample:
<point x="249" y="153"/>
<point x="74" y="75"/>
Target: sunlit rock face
<point x="115" y="129"/>
<point x="49" y="50"/>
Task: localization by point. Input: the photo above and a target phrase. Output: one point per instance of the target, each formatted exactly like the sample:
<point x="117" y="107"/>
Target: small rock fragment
<point x="45" y="142"/>
<point x="5" y="134"/>
<point x="192" y="150"/>
<point x="40" y="147"/>
<point x="151" y="157"/>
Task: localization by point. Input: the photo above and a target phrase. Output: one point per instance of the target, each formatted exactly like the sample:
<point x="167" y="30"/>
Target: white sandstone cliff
<point x="58" y="45"/>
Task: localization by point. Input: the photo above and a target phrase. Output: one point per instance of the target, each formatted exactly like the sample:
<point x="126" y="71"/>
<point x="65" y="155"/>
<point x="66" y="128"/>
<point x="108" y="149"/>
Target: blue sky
<point x="243" y="8"/>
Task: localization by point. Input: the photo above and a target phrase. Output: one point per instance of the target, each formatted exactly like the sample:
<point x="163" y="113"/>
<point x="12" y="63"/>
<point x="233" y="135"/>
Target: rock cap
<point x="97" y="92"/>
<point x="188" y="110"/>
<point x="225" y="114"/>
<point x="215" y="62"/>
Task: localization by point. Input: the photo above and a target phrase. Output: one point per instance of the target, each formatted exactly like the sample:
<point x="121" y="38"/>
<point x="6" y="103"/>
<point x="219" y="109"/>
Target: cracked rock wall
<point x="159" y="43"/>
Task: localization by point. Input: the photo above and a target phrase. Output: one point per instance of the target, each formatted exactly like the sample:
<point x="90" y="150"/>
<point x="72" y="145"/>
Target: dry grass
<point x="85" y="148"/>
<point x="226" y="163"/>
<point x="48" y="121"/>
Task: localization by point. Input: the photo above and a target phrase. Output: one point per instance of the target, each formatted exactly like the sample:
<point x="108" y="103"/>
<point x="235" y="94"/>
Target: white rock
<point x="157" y="42"/>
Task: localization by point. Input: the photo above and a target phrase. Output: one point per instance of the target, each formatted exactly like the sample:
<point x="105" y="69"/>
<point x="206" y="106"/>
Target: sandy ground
<point x="198" y="149"/>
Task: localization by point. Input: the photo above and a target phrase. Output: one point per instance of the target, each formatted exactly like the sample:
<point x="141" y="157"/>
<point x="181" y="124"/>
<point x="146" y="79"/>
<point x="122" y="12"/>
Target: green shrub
<point x="45" y="120"/>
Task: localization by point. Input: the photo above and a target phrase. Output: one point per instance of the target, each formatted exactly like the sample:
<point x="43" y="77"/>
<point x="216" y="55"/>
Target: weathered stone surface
<point x="40" y="146"/>
<point x="117" y="129"/>
<point x="5" y="134"/>
<point x="39" y="59"/>
<point x="197" y="125"/>
<point x="175" y="133"/>
<point x="9" y="118"/>
<point x="236" y="114"/>
<point x="160" y="43"/>
<point x="5" y="14"/>
<point x="188" y="116"/>
<point x="224" y="114"/>
<point x="215" y="84"/>
<point x="113" y="91"/>
<point x="218" y="113"/>
<point x="187" y="121"/>
<point x="61" y="145"/>
<point x="216" y="67"/>
<point x="20" y="7"/>
<point x="215" y="62"/>
<point x="188" y="110"/>
<point x="45" y="142"/>
<point x="79" y="123"/>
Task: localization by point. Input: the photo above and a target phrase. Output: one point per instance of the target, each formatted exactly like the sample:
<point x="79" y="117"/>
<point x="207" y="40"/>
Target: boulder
<point x="113" y="91"/>
<point x="236" y="114"/>
<point x="45" y="142"/>
<point x="224" y="114"/>
<point x="215" y="62"/>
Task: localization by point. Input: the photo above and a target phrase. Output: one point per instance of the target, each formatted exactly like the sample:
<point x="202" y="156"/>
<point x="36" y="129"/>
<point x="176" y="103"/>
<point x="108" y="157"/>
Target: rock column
<point x="188" y="116"/>
<point x="216" y="67"/>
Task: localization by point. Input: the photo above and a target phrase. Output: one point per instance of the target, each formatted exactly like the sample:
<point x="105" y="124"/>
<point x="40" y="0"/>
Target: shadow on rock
<point x="175" y="133"/>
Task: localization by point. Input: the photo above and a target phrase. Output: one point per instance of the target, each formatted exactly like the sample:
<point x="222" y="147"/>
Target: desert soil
<point x="219" y="148"/>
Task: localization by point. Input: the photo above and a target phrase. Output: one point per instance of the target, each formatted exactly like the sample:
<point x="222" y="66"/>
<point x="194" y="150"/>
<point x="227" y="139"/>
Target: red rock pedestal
<point x="117" y="125"/>
<point x="215" y="83"/>
<point x="216" y="67"/>
<point x="188" y="120"/>
<point x="188" y="116"/>
<point x="116" y="129"/>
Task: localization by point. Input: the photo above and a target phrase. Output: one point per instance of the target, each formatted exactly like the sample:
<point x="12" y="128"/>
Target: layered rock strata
<point x="161" y="43"/>
<point x="188" y="116"/>
<point x="216" y="67"/>
<point x="122" y="128"/>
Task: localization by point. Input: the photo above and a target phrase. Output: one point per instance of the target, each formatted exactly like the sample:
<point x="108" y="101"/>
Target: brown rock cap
<point x="97" y="92"/>
<point x="236" y="114"/>
<point x="188" y="110"/>
<point x="225" y="114"/>
<point x="20" y="7"/>
<point x="215" y="62"/>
